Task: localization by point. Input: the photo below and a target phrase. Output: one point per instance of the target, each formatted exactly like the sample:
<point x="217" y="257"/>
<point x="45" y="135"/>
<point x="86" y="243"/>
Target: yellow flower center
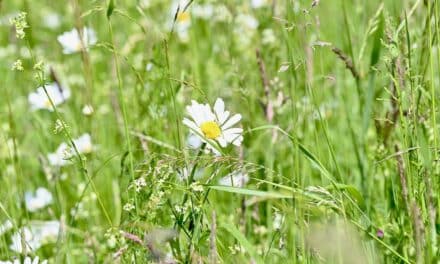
<point x="47" y="103"/>
<point x="182" y="17"/>
<point x="210" y="129"/>
<point x="78" y="46"/>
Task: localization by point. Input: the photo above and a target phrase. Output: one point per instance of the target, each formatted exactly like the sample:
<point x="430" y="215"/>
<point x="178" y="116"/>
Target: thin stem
<point x="123" y="106"/>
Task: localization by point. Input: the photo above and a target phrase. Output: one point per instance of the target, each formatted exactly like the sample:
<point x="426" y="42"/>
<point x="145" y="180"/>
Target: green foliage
<point x="338" y="103"/>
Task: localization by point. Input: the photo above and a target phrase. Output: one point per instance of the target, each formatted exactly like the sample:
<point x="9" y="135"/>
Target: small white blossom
<point x="197" y="187"/>
<point x="182" y="21"/>
<point x="40" y="100"/>
<point x="278" y="221"/>
<point x="36" y="234"/>
<point x="5" y="227"/>
<point x="128" y="207"/>
<point x="138" y="184"/>
<point x="71" y="40"/>
<point x="87" y="110"/>
<point x="17" y="66"/>
<point x="20" y="24"/>
<point x="268" y="37"/>
<point x="39" y="66"/>
<point x="149" y="66"/>
<point x="64" y="152"/>
<point x="41" y="199"/>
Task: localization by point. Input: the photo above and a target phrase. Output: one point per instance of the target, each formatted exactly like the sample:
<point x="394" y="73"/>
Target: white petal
<point x="222" y="141"/>
<point x="208" y="115"/>
<point x="196" y="112"/>
<point x="27" y="260"/>
<point x="191" y="124"/>
<point x="193" y="141"/>
<point x="238" y="141"/>
<point x="232" y="121"/>
<point x="219" y="107"/>
<point x="235" y="130"/>
<point x="222" y="118"/>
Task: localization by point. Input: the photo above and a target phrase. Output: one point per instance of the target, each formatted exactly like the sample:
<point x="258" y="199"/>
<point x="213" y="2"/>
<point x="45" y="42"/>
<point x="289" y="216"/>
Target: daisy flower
<point x="63" y="153"/>
<point x="214" y="125"/>
<point x="71" y="40"/>
<point x="35" y="235"/>
<point x="39" y="99"/>
<point x="41" y="199"/>
<point x="182" y="20"/>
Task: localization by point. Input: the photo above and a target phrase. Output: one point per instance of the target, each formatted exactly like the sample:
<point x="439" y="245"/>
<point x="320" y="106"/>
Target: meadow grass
<point x="339" y="159"/>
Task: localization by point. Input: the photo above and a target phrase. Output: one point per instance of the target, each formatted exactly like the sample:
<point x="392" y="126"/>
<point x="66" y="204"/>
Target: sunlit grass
<point x="255" y="131"/>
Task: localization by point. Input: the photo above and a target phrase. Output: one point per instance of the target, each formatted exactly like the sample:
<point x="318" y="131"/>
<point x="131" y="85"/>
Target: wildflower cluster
<point x="20" y="24"/>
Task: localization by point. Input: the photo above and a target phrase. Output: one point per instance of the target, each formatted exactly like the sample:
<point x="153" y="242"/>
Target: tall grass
<point x="339" y="110"/>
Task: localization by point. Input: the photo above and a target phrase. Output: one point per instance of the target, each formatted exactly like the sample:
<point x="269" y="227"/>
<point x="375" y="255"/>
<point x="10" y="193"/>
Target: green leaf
<point x="377" y="44"/>
<point x="242" y="240"/>
<point x="110" y="8"/>
<point x="377" y="33"/>
<point x="251" y="192"/>
<point x="352" y="191"/>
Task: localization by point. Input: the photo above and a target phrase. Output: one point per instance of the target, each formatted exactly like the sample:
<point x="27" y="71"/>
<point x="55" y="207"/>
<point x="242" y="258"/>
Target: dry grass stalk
<point x="347" y="61"/>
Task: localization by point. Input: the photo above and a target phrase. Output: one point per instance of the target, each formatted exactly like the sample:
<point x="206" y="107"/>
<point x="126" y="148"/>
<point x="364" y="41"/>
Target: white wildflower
<point x="5" y="227"/>
<point x="40" y="100"/>
<point x="128" y="207"/>
<point x="36" y="234"/>
<point x="214" y="125"/>
<point x="138" y="184"/>
<point x="17" y="66"/>
<point x="20" y="24"/>
<point x="72" y="43"/>
<point x="41" y="199"/>
<point x="197" y="187"/>
<point x="149" y="66"/>
<point x="268" y="37"/>
<point x="182" y="21"/>
<point x="87" y="110"/>
<point x="64" y="152"/>
<point x="278" y="221"/>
